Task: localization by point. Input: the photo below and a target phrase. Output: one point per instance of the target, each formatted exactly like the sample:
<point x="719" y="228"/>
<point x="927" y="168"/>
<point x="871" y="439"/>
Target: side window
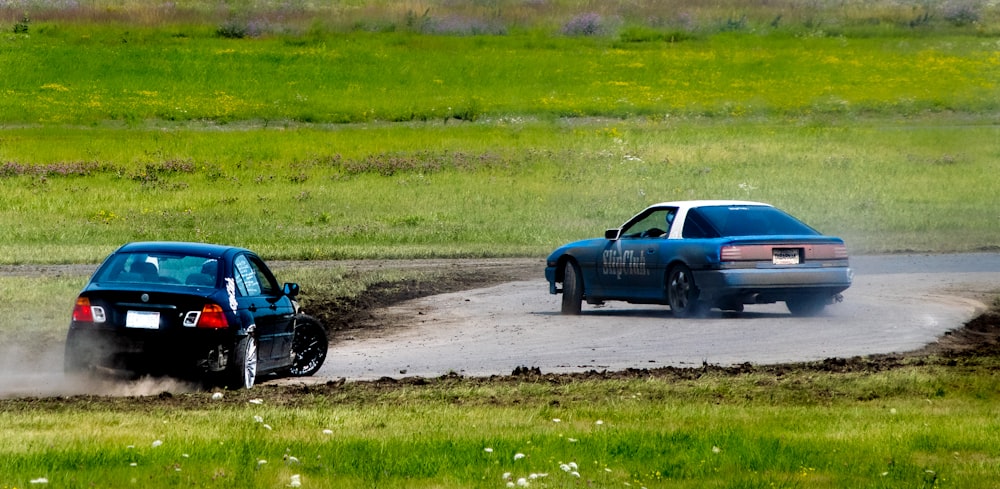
<point x="252" y="279"/>
<point x="696" y="226"/>
<point x="246" y="277"/>
<point x="653" y="225"/>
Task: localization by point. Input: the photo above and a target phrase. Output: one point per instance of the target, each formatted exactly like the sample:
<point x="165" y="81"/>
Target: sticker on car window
<point x="231" y="290"/>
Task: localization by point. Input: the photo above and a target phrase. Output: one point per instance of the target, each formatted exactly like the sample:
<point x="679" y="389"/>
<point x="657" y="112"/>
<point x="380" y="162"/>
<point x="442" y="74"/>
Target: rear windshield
<point x="717" y="221"/>
<point x="195" y="271"/>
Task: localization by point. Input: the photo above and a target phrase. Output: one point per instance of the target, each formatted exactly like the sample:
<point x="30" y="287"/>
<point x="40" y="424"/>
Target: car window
<point x="696" y="226"/>
<point x="252" y="279"/>
<point x="159" y="268"/>
<point x="654" y="223"/>
<point x="748" y="221"/>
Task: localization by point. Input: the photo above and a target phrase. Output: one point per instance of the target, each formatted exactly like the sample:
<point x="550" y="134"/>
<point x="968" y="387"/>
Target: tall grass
<point x="136" y="75"/>
<point x="256" y="18"/>
<point x="485" y="189"/>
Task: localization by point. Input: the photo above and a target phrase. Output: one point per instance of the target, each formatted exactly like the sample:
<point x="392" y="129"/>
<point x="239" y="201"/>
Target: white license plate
<point x="785" y="256"/>
<point x="142" y="320"/>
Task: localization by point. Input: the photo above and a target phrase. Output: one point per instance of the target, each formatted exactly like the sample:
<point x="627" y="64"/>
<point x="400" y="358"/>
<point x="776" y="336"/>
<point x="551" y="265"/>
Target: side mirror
<point x="613" y="234"/>
<point x="291" y="290"/>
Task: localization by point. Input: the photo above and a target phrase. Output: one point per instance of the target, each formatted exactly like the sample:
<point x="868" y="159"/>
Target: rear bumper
<point x="191" y="352"/>
<point x="772" y="284"/>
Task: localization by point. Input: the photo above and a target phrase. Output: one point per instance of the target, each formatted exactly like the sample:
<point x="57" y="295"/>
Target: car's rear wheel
<point x="682" y="293"/>
<point x="572" y="298"/>
<point x="242" y="370"/>
<point x="309" y="347"/>
<point x="807" y="306"/>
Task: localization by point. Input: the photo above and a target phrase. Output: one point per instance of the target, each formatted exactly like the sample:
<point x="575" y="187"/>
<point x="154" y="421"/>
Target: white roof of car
<point x="702" y="203"/>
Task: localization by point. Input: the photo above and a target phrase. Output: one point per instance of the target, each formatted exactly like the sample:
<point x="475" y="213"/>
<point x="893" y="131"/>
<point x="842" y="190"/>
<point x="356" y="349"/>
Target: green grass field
<point x="348" y="143"/>
<point x="924" y="425"/>
<point x="379" y="129"/>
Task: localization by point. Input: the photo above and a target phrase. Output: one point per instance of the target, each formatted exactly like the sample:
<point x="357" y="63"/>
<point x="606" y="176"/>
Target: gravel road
<point x="898" y="303"/>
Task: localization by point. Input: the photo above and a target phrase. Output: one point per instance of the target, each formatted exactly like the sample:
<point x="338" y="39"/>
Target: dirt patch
<point x="344" y="316"/>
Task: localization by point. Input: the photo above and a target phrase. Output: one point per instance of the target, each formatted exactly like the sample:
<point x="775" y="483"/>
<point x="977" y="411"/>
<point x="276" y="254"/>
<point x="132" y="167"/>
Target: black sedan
<point x="696" y="255"/>
<point x="210" y="312"/>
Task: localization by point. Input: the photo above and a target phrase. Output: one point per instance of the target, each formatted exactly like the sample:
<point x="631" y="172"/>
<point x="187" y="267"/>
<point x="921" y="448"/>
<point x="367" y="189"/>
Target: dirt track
<point x="375" y="314"/>
<point x="898" y="304"/>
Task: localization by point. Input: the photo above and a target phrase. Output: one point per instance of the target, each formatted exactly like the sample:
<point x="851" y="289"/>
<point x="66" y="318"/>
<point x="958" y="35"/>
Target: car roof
<point x="704" y="203"/>
<point x="201" y="249"/>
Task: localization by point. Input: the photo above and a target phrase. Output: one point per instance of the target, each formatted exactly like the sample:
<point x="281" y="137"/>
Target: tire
<point x="572" y="298"/>
<point x="807" y="306"/>
<point x="682" y="292"/>
<point x="242" y="370"/>
<point x="309" y="347"/>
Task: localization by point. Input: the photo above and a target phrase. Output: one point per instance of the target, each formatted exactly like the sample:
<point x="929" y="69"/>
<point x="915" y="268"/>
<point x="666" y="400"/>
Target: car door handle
<point x="252" y="308"/>
<point x="273" y="307"/>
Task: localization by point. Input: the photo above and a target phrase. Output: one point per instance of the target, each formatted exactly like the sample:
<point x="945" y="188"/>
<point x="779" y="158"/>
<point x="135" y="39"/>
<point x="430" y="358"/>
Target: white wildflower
<point x="296" y="481"/>
<point x="157" y="443"/>
<point x="256" y="401"/>
<point x="258" y="419"/>
<point x="505" y="476"/>
<point x="510" y="484"/>
<point x="598" y="422"/>
<point x="572" y="440"/>
<point x="556" y="420"/>
<point x="261" y="462"/>
<point x="573" y="466"/>
<point x="267" y="427"/>
<point x="40" y="480"/>
<point x="217" y="396"/>
<point x="564" y="467"/>
<point x="518" y="456"/>
<point x="291" y="459"/>
<point x="716" y="449"/>
<point x="575" y="474"/>
<point x="133" y="464"/>
<point x="488" y="450"/>
<point x="522" y="482"/>
<point x="327" y="432"/>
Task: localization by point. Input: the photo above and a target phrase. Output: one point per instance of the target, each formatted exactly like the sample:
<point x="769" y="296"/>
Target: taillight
<point x="731" y="253"/>
<point x="212" y="317"/>
<point x="82" y="312"/>
<point x="840" y="251"/>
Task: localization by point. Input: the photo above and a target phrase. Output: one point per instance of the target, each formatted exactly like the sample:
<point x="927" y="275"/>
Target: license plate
<point x="142" y="320"/>
<point x="785" y="256"/>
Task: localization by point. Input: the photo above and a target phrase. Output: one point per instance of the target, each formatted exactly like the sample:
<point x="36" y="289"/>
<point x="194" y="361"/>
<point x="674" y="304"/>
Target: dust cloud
<point x="38" y="372"/>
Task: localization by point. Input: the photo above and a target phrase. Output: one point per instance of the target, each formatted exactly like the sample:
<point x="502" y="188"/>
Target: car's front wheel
<point x="682" y="293"/>
<point x="572" y="298"/>
<point x="807" y="306"/>
<point x="308" y="347"/>
<point x="242" y="370"/>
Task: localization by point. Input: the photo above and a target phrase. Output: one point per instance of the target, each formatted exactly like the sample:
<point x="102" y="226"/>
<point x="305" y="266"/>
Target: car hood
<point x="584" y="243"/>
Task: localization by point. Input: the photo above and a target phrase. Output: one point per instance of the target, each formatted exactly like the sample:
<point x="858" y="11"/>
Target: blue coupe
<point x="191" y="309"/>
<point x="696" y="255"/>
